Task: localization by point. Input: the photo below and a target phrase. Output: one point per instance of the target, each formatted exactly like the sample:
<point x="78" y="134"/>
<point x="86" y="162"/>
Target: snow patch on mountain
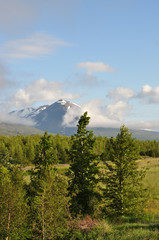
<point x="28" y="112"/>
<point x="62" y="101"/>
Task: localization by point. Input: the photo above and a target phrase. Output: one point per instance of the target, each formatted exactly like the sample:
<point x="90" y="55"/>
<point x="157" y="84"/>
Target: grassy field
<point x="132" y="229"/>
<point x="127" y="229"/>
<point x="151" y="181"/>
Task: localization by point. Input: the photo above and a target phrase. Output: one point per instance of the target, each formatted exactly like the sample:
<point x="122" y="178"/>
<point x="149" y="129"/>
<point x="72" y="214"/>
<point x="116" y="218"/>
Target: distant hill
<point x="139" y="134"/>
<point x="17" y="129"/>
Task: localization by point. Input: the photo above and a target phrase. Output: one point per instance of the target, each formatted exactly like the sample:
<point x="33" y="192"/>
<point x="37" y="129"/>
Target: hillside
<point x="17" y="129"/>
<point x="139" y="134"/>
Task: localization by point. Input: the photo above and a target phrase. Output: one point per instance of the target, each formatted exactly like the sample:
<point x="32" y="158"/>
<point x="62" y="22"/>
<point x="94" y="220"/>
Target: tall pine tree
<point x="44" y="154"/>
<point x="83" y="169"/>
<point x="124" y="193"/>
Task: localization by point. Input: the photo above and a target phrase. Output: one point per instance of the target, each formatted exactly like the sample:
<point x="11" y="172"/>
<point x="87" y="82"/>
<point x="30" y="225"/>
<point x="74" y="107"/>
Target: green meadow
<point x="151" y="181"/>
<point x="145" y="228"/>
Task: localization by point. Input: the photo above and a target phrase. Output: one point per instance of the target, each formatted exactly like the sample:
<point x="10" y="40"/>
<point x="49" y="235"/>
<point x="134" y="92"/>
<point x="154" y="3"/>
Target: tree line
<point x="49" y="204"/>
<point x="22" y="149"/>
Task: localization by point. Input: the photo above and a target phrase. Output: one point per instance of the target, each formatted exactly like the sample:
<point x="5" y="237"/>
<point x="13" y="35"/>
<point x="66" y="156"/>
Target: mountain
<point x="29" y="112"/>
<point x="51" y="118"/>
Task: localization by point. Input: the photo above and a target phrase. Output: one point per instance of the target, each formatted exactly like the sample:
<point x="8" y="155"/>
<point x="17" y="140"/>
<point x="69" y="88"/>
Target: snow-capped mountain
<point x="29" y="112"/>
<point x="62" y="117"/>
<point x="54" y="118"/>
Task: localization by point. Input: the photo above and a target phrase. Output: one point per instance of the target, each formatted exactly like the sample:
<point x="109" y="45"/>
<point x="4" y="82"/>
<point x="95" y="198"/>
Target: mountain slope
<point x="8" y="129"/>
<point x="51" y="119"/>
<point x="139" y="134"/>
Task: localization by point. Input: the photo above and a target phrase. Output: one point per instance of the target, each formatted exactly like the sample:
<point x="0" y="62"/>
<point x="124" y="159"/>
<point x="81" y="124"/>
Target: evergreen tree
<point x="47" y="195"/>
<point x="48" y="205"/>
<point x="5" y="159"/>
<point x="83" y="169"/>
<point x="13" y="205"/>
<point x="124" y="193"/>
<point x="44" y="155"/>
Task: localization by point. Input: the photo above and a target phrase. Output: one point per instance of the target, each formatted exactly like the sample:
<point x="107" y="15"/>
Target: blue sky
<point x="102" y="55"/>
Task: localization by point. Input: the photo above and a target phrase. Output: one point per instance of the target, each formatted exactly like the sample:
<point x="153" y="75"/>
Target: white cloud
<point x="112" y="115"/>
<point x="5" y="117"/>
<point x="101" y="115"/>
<point x="39" y="91"/>
<point x="98" y="114"/>
<point x="95" y="67"/>
<point x="149" y="95"/>
<point x="118" y="109"/>
<point x="121" y="93"/>
<point x="71" y="117"/>
<point x="144" y="125"/>
<point x="146" y="90"/>
<point x="36" y="46"/>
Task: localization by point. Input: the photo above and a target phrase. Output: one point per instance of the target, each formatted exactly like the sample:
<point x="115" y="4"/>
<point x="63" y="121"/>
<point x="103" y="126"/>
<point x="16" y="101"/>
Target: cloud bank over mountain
<point x="40" y="91"/>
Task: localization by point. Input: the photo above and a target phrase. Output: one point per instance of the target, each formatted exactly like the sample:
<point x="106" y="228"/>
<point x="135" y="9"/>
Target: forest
<point x="78" y="187"/>
<point x="22" y="149"/>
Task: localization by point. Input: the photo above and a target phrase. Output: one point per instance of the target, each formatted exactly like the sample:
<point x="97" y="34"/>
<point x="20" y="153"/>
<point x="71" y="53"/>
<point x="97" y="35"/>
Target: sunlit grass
<point x="151" y="182"/>
<point x="125" y="231"/>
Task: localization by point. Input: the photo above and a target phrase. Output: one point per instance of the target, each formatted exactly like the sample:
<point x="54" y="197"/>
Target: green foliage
<point x="23" y="149"/>
<point x="83" y="169"/>
<point x="43" y="213"/>
<point x="13" y="205"/>
<point x="149" y="148"/>
<point x="47" y="195"/>
<point x="44" y="156"/>
<point x="123" y="191"/>
<point x="48" y="205"/>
